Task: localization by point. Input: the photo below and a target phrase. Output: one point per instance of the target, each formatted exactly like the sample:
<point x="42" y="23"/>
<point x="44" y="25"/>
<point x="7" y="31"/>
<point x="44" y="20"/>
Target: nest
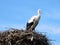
<point x="21" y="37"/>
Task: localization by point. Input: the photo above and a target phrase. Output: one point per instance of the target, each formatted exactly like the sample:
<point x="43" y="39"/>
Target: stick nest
<point x="21" y="37"/>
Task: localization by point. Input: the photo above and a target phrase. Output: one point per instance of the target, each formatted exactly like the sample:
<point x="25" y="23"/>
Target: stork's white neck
<point x="39" y="12"/>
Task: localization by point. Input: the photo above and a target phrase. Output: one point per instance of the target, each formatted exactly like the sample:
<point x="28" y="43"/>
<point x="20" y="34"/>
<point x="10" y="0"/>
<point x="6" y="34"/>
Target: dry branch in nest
<point x="21" y="37"/>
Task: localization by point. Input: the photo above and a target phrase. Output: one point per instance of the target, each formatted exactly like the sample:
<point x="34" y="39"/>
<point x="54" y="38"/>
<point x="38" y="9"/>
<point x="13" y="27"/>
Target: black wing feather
<point x="29" y="25"/>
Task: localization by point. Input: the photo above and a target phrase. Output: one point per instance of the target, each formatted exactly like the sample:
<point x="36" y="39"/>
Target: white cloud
<point x="4" y="27"/>
<point x="50" y="29"/>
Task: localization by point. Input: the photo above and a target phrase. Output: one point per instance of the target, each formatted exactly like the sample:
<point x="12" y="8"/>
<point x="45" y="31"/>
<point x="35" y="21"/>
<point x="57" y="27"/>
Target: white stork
<point x="33" y="22"/>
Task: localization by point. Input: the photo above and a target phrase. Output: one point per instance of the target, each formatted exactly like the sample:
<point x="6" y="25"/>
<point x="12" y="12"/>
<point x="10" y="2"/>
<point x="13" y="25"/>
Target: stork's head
<point x="39" y="11"/>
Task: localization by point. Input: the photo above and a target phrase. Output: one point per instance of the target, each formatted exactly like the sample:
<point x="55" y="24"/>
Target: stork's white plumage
<point x="33" y="22"/>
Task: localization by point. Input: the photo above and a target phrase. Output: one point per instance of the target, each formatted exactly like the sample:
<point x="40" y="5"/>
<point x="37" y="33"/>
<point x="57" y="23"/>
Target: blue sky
<point x="16" y="13"/>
